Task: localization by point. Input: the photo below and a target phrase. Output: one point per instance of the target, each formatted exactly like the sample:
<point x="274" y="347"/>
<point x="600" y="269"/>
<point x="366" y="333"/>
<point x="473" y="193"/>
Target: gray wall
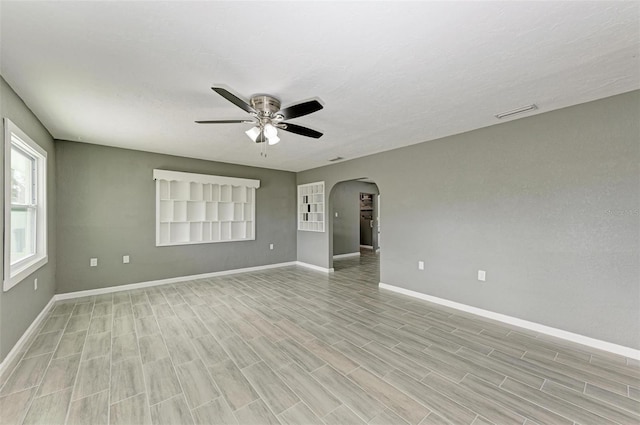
<point x="548" y="205"/>
<point x="106" y="200"/>
<point x="345" y="200"/>
<point x="21" y="304"/>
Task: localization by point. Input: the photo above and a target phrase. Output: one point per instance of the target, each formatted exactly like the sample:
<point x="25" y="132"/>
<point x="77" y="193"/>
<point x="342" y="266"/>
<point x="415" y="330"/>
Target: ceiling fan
<point x="268" y="117"/>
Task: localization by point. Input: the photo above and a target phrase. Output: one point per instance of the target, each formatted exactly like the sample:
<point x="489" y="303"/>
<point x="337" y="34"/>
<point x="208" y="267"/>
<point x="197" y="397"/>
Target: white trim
<point x="351" y="254"/>
<point x="16" y="273"/>
<point x="204" y="178"/>
<point x="314" y="267"/>
<point x="366" y="247"/>
<point x="547" y="330"/>
<point x="147" y="284"/>
<point x="17" y="347"/>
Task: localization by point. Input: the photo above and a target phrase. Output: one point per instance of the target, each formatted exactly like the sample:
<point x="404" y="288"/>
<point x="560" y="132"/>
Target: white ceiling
<point x="390" y="74"/>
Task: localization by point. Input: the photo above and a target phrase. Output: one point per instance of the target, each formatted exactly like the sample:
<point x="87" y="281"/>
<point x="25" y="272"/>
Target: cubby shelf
<point x="311" y="217"/>
<point x="199" y="208"/>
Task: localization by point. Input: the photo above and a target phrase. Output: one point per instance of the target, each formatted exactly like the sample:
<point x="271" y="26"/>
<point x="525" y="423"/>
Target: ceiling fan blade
<point x="303" y="131"/>
<point x="223" y="121"/>
<point x="301" y="109"/>
<point x="234" y="99"/>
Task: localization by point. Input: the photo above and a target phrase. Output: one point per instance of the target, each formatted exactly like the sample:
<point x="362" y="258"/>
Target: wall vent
<point x="513" y="112"/>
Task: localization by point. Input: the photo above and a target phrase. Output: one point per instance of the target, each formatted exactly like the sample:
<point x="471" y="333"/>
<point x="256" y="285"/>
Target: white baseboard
<point x="314" y="267"/>
<point x="130" y="286"/>
<point x="11" y="356"/>
<point x="351" y="254"/>
<point x="366" y="247"/>
<point x="537" y="327"/>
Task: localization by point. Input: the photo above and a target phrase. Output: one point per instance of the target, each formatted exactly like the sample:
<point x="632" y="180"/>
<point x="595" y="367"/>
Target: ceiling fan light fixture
<point x="273" y="140"/>
<point x="253" y="133"/>
<point x="271" y="133"/>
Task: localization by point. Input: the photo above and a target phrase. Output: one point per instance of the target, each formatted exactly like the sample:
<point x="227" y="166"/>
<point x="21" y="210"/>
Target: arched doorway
<point x="354" y="230"/>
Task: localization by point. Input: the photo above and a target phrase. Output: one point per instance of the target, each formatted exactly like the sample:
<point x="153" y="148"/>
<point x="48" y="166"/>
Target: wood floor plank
<point x="491" y="341"/>
<point x="314" y="394"/>
<point x="589" y="403"/>
<point x="537" y="369"/>
<point x="331" y="356"/>
<point x="430" y="362"/>
<point x="171" y="412"/>
<point x="197" y="385"/>
<point x="407" y="408"/>
<point x="13" y="407"/>
<point x="467" y="398"/>
<point x="93" y="409"/>
<point x="303" y="357"/>
<point x="269" y="353"/>
<point x="239" y="351"/>
<point x="358" y="400"/>
<point x="60" y="374"/>
<point x="127" y="379"/>
<point x="273" y="391"/>
<point x="501" y="367"/>
<point x="44" y="343"/>
<point x="70" y="343"/>
<point x="217" y="412"/>
<point x="152" y="348"/>
<point x="93" y="377"/>
<point x="578" y="373"/>
<point x="161" y="380"/>
<point x="299" y="414"/>
<point x="433" y="400"/>
<point x="627" y="403"/>
<point x="235" y="388"/>
<point x="519" y="405"/>
<point x="181" y="350"/>
<point x="343" y="416"/>
<point x="465" y="365"/>
<point x="50" y="409"/>
<point x="133" y="410"/>
<point x="552" y="403"/>
<point x="364" y="358"/>
<point x="97" y="345"/>
<point x="397" y="361"/>
<point x="124" y="347"/>
<point x="256" y="413"/>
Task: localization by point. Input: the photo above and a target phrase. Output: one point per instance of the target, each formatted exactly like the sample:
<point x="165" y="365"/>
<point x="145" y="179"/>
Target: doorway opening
<point x="355" y="227"/>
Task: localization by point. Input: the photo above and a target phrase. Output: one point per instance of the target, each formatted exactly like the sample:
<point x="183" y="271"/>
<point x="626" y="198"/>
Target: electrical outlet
<point x="336" y="214"/>
<point x="271" y="246"/>
<point x="93" y="262"/>
<point x="482" y="275"/>
<point x="125" y="259"/>
<point x="420" y="265"/>
<point x="35" y="284"/>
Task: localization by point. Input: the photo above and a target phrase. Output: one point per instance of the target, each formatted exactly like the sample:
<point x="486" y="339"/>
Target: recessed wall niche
<point x="201" y="208"/>
<point x="311" y="207"/>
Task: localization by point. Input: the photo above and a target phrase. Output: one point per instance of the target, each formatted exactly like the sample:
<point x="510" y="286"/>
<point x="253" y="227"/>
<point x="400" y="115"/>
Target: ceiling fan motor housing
<point x="265" y="105"/>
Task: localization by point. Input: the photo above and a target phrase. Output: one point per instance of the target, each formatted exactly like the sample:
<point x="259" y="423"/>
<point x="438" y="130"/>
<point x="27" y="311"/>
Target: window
<point x="25" y="214"/>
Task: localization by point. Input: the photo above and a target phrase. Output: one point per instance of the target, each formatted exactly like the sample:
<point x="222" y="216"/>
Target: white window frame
<point x="14" y="274"/>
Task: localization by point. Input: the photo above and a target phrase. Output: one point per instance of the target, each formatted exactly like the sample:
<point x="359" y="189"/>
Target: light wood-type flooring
<point x="295" y="346"/>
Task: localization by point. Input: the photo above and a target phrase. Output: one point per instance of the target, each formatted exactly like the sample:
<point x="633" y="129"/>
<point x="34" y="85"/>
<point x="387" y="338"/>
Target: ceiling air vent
<point x="337" y="158"/>
<point x="517" y="111"/>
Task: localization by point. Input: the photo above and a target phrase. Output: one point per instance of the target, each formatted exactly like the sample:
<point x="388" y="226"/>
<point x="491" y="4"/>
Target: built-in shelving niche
<point x="200" y="208"/>
<point x="311" y="207"/>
